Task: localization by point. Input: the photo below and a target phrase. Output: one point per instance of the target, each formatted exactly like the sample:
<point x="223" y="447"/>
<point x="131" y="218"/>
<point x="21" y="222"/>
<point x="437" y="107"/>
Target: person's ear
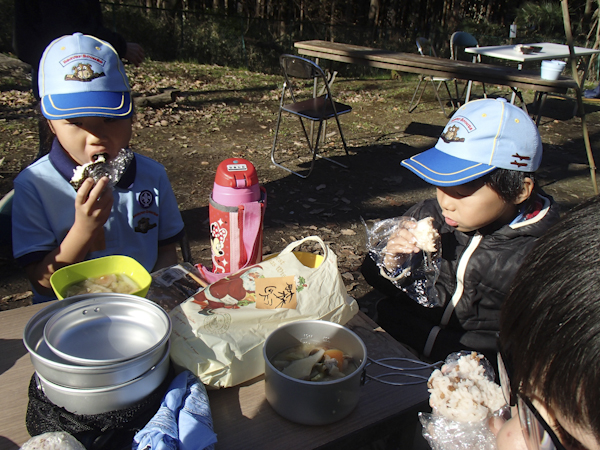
<point x="49" y="122"/>
<point x="526" y="191"/>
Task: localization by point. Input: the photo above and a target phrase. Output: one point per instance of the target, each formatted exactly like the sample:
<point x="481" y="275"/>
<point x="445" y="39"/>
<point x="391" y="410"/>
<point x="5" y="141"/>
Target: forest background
<point x="253" y="33"/>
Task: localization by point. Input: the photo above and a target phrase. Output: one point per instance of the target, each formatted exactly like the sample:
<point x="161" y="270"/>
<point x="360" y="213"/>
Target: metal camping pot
<point x="109" y="398"/>
<point x="313" y="402"/>
<point x="57" y="370"/>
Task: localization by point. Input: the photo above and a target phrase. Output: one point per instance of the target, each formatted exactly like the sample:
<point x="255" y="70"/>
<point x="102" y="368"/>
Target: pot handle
<point x="363" y="377"/>
<point x="399" y="371"/>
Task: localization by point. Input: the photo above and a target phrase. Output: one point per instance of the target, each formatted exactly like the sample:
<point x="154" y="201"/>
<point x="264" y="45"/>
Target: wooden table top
<point x="429" y="65"/>
<point x="241" y="415"/>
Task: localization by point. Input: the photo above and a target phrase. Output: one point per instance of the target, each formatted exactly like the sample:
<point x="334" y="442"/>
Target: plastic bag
<point x="414" y="273"/>
<point x="174" y="284"/>
<point x="465" y="400"/>
<point x="54" y="440"/>
<point x="447" y="434"/>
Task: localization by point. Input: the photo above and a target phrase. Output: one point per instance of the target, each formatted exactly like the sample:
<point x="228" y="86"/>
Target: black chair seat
<point x="317" y="108"/>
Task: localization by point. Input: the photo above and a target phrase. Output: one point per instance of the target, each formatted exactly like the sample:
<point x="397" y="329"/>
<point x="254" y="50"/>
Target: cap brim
<point x="81" y="104"/>
<point x="440" y="169"/>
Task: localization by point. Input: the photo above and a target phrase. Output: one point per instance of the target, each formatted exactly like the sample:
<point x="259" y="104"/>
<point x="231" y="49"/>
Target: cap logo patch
<point x="451" y="135"/>
<point x="520" y="158"/>
<point x="79" y="56"/>
<point x="83" y="72"/>
<point x="466" y="123"/>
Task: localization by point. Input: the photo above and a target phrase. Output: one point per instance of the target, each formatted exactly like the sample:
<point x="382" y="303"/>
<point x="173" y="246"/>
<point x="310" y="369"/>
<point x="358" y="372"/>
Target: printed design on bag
<point x="300" y="284"/>
<point x="218" y="235"/>
<point x="277" y="292"/>
<point x="217" y="323"/>
<point x="230" y="292"/>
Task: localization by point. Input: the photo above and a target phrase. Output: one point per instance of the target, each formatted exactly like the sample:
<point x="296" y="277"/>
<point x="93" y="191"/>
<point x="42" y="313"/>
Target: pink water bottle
<point x="236" y="212"/>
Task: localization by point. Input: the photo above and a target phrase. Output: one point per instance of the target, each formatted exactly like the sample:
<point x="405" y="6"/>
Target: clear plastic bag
<point x="470" y="381"/>
<point x="414" y="273"/>
<point x="446" y="434"/>
<point x="174" y="284"/>
<point x="54" y="440"/>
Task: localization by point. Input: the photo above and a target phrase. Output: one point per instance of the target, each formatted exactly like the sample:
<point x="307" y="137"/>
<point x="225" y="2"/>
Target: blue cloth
<point x="592" y="93"/>
<point x="183" y="421"/>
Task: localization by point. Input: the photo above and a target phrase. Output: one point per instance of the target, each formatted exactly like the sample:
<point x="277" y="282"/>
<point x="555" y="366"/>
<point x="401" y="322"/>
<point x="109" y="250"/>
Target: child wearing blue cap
<point x="489" y="212"/>
<point x="86" y="99"/>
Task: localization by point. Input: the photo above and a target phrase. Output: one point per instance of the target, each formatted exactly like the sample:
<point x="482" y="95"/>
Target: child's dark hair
<point x="549" y="324"/>
<point x="508" y="184"/>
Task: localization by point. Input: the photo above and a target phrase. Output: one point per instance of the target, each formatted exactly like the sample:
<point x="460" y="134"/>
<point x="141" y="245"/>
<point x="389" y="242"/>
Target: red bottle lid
<point x="236" y="173"/>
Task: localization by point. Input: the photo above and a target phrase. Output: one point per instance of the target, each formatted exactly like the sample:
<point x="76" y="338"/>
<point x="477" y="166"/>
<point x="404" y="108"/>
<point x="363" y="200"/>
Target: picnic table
<point x="242" y="417"/>
<point x="512" y="77"/>
<point x="430" y="65"/>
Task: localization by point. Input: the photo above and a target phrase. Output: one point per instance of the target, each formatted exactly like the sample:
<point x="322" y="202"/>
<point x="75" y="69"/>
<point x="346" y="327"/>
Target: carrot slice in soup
<point x="338" y="355"/>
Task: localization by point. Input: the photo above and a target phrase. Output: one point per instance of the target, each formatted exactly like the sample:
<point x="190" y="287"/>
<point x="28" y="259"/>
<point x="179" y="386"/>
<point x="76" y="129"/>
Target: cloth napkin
<point x="592" y="93"/>
<point x="183" y="421"/>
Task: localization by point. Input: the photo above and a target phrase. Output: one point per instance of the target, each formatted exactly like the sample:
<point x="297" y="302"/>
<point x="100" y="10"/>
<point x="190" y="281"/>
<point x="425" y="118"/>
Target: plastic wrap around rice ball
<point x="462" y="390"/>
<point x="56" y="440"/>
<point x="101" y="167"/>
<point x="464" y="399"/>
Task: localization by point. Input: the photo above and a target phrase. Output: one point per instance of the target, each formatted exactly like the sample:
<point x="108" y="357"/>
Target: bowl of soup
<point x="313" y="371"/>
<point x="109" y="274"/>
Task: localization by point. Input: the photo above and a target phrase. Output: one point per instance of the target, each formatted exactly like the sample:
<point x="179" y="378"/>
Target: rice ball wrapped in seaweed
<point x="102" y="167"/>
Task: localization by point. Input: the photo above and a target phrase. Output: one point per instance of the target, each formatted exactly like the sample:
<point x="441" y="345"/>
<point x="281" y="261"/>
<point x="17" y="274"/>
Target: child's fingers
<point x="403" y="242"/>
<point x="84" y="191"/>
<point x="98" y="191"/>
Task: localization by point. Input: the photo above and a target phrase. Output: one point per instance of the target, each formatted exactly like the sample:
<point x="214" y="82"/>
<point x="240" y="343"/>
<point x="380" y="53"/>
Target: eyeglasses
<point x="536" y="431"/>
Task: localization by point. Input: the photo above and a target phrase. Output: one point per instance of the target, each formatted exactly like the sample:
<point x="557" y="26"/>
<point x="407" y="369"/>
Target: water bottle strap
<point x="251" y="219"/>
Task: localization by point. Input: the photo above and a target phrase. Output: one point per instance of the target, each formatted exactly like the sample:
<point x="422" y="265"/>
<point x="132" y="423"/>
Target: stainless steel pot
<point x="107" y="330"/>
<point x="110" y="398"/>
<point x="310" y="402"/>
<point x="59" y="371"/>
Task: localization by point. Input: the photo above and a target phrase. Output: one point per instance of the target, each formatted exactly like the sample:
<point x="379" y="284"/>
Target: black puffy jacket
<point x="475" y="275"/>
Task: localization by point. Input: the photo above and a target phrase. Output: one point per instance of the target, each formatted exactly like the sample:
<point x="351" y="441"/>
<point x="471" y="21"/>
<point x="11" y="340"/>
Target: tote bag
<point x="218" y="334"/>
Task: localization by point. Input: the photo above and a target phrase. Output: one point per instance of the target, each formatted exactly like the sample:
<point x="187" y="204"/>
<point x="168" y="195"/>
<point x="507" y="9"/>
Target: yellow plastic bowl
<point x="311" y="260"/>
<point x="68" y="275"/>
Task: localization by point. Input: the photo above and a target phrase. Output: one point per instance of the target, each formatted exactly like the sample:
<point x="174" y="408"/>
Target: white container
<point x="551" y="70"/>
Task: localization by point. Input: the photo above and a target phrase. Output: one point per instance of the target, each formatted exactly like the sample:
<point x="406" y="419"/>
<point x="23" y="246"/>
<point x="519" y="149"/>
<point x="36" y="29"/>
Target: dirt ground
<point x="221" y="113"/>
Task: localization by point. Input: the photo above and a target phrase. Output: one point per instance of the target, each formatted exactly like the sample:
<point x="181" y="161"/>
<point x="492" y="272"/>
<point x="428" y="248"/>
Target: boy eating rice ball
<point x="489" y="212"/>
<point x="86" y="99"/>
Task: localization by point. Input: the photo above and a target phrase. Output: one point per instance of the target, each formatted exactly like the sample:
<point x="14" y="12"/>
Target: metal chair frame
<point x="426" y="49"/>
<point x="319" y="108"/>
<point x="463" y="39"/>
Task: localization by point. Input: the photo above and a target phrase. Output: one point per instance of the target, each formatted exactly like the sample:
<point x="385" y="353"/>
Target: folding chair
<point x="459" y="41"/>
<point x="318" y="107"/>
<point x="426" y="49"/>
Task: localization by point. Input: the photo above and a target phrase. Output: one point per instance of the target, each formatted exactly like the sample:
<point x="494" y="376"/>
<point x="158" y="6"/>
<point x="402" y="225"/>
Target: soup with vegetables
<point x="115" y="282"/>
<point x="312" y="362"/>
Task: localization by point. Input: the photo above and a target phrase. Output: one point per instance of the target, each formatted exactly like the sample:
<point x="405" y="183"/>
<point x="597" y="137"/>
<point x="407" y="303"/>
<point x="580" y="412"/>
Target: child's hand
<point x="400" y="246"/>
<point x="93" y="205"/>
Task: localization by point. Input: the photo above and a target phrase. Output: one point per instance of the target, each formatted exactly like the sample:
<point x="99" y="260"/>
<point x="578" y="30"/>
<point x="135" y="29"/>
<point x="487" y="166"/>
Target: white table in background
<point x="549" y="50"/>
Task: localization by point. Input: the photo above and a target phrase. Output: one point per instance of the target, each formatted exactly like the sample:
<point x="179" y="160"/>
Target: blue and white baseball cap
<point x="81" y="75"/>
<point x="483" y="135"/>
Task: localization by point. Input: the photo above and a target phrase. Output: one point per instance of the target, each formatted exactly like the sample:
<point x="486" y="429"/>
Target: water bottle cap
<point x="237" y="173"/>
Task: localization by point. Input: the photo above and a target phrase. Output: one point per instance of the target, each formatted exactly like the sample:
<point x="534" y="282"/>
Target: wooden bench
<point x="440" y="67"/>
